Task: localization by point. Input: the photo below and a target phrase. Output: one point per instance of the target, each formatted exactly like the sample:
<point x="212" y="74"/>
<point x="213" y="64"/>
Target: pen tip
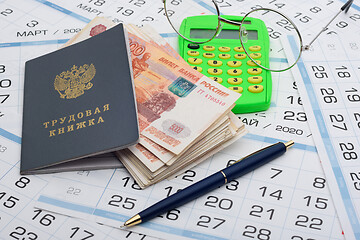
<point x="289" y="144"/>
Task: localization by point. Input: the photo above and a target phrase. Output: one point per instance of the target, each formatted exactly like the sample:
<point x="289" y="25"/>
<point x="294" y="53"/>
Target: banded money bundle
<point x="184" y="116"/>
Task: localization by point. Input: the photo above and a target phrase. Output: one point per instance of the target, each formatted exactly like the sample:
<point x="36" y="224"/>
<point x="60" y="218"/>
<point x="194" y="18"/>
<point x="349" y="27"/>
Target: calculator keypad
<point x="231" y="67"/>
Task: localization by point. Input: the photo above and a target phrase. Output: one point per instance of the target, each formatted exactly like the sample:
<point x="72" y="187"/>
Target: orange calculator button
<point x="214" y="71"/>
<point x="235" y="81"/>
<point x="234" y="72"/>
<point x="256" y="88"/>
<point x="254" y="71"/>
<point x="215" y="63"/>
<point x="193" y="53"/>
<point x="236" y="89"/>
<point x="234" y="63"/>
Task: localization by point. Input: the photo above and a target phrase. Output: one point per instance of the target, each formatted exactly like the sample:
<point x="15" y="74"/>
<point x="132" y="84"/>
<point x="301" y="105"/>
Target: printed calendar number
<point x="8" y="201"/>
<point x="171" y="215"/>
<point x="317" y="202"/>
<point x="259" y="211"/>
<point x="22" y="182"/>
<point x="221" y="203"/>
<point x="129" y="182"/>
<point x="189" y="175"/>
<point x="6" y="12"/>
<point x="295" y="116"/>
<point x="352" y="95"/>
<point x="257" y="233"/>
<point x="2" y="147"/>
<point x="319" y="72"/>
<point x="349" y="153"/>
<point x="138" y="236"/>
<point x="137" y="3"/>
<point x="171" y="190"/>
<point x="2" y="68"/>
<point x="233" y="185"/>
<point x="355" y="178"/>
<point x="301" y="238"/>
<point x="277" y="194"/>
<point x="357" y="119"/>
<point x="73" y="191"/>
<point x="295" y="100"/>
<point x="209" y="222"/>
<point x="319" y="182"/>
<point x="79" y="233"/>
<point x="328" y="95"/>
<point x="342" y="72"/>
<point x="44" y="219"/>
<point x="338" y="121"/>
<point x="124" y="202"/>
<point x="306" y="222"/>
<point x="98" y="3"/>
<point x="23" y="234"/>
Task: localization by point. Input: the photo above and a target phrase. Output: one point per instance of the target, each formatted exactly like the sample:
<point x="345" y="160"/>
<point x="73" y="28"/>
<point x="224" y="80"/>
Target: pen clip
<point x="287" y="145"/>
<point x="260" y="150"/>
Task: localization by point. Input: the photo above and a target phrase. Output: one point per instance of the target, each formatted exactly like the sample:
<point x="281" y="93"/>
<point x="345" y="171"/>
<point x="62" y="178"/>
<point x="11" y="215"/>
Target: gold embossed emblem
<point x="73" y="83"/>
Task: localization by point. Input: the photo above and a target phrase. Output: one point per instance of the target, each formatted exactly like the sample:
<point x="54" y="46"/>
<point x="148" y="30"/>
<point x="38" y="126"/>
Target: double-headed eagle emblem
<point x="73" y="83"/>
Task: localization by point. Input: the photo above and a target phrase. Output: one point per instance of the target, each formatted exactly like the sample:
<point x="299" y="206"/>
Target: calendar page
<point x="292" y="201"/>
<point x="329" y="82"/>
<point x="287" y="198"/>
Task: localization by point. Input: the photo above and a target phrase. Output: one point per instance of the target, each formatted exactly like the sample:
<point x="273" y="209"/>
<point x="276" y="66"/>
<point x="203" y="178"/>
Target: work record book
<point x="79" y="101"/>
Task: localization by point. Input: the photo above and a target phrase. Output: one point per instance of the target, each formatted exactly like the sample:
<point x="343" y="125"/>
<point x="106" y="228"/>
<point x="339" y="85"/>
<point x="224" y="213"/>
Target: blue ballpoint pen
<point x="239" y="168"/>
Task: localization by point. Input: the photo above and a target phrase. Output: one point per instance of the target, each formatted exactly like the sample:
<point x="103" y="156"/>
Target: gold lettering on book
<point x="73" y="83"/>
<point x="77" y="121"/>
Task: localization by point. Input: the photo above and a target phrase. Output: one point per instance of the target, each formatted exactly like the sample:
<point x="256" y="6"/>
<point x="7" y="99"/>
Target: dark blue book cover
<point x="79" y="101"/>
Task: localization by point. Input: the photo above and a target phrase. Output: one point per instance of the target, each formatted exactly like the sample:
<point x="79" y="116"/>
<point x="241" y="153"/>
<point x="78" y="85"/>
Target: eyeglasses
<point x="273" y="23"/>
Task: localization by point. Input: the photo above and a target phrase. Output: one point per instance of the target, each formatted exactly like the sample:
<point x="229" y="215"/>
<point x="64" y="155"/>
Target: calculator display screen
<point x="224" y="34"/>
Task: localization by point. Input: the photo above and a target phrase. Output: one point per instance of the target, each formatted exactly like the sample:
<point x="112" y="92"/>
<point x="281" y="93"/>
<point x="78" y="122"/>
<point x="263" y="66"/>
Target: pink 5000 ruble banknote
<point x="176" y="103"/>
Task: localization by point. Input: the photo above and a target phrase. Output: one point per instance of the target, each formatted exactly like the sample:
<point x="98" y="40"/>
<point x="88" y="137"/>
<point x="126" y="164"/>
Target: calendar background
<point x="31" y="28"/>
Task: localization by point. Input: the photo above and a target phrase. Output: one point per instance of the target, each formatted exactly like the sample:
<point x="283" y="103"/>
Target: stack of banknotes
<point x="184" y="116"/>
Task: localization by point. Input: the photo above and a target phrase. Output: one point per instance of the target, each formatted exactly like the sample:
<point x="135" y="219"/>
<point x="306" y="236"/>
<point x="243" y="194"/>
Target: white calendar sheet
<point x="328" y="77"/>
<point x="287" y="199"/>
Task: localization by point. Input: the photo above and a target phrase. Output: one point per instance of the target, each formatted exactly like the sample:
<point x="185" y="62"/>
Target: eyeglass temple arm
<point x="345" y="7"/>
<point x="229" y="21"/>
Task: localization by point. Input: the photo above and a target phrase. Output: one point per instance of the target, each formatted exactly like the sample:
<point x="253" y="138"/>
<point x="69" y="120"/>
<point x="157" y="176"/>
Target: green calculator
<point x="224" y="60"/>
